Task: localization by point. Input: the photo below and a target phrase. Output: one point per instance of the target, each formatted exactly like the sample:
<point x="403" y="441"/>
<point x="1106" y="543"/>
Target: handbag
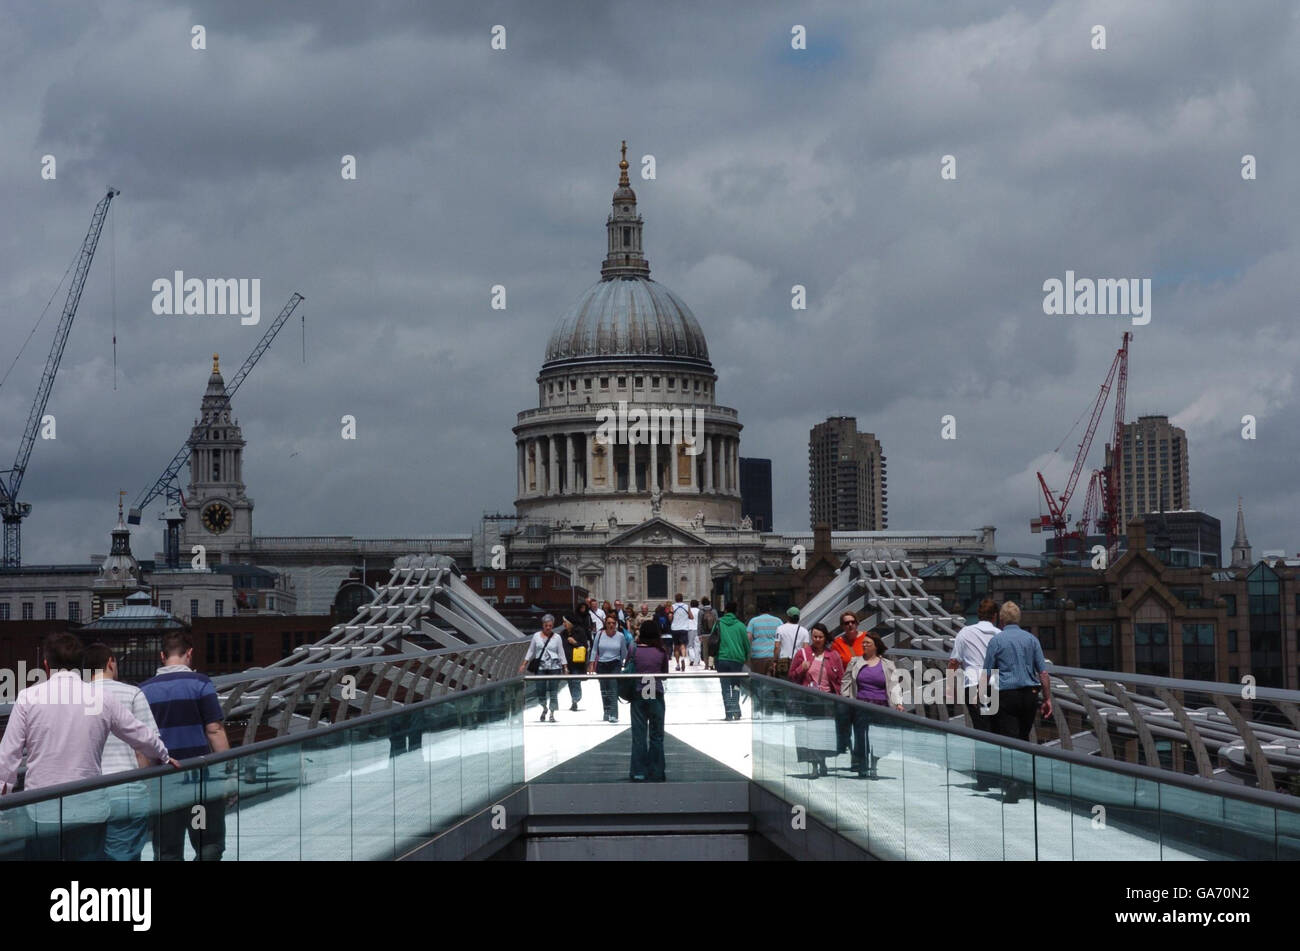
<point x="580" y="654"/>
<point x="535" y="665"/>
<point x="626" y="685"/>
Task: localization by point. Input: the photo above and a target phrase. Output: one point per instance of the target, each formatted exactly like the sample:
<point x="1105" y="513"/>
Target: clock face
<point x="217" y="518"/>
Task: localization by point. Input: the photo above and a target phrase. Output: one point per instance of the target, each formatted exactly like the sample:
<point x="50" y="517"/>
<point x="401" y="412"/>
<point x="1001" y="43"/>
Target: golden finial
<point x="121" y="494"/>
<point x="216" y="365"/>
<point x="622" y="166"/>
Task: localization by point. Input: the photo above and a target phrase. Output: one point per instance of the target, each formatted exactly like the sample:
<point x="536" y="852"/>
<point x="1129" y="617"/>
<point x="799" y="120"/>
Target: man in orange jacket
<point x="849" y="644"/>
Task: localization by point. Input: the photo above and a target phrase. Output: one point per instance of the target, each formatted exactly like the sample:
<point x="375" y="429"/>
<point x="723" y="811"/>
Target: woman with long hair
<point x="871" y="679"/>
<point x="818" y="668"/>
<point x="648" y="707"/>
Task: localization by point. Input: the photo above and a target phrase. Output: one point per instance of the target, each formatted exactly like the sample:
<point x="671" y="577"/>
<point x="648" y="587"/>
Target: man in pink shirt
<point x="62" y="724"/>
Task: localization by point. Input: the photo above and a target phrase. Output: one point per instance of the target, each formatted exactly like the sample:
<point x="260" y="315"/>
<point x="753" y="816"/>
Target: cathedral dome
<point x="627" y="318"/>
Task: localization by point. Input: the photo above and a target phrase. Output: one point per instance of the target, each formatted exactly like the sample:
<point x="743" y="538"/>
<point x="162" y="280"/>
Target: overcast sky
<point x="775" y="167"/>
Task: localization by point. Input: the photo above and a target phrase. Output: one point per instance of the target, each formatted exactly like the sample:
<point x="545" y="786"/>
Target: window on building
<point x="248" y="648"/>
<point x="1097" y="646"/>
<point x="622" y="382"/>
<point x="654" y="382"/>
<point x="28" y="610"/>
<point x="74" y="611"/>
<point x="1232" y="640"/>
<point x="586" y="383"/>
<point x="1046" y="636"/>
<point x="234" y="648"/>
<point x="1264" y="590"/>
<point x="51" y="610"/>
<point x="194" y="607"/>
<point x="4" y="610"/>
<point x="166" y="605"/>
<point x="212" y="647"/>
<point x="490" y="598"/>
<point x="604" y="382"/>
<point x="1233" y="674"/>
<point x="1151" y="649"/>
<point x="640" y="381"/>
<point x="512" y="581"/>
<point x="672" y="383"/>
<point x="285" y="646"/>
<point x="223" y="654"/>
<point x="1198" y="651"/>
<point x="489" y="582"/>
<point x="627" y="237"/>
<point x="534" y="581"/>
<point x="1231" y="600"/>
<point x="573" y="383"/>
<point x="216" y="467"/>
<point x="219" y="608"/>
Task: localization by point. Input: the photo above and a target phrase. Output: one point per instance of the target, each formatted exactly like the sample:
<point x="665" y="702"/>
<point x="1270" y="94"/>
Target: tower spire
<point x="623" y="256"/>
<point x="1241" y="552"/>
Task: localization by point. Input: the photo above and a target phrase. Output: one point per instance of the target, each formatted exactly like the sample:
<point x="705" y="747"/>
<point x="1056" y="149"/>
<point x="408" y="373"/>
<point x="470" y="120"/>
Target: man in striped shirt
<point x="128" y="820"/>
<point x="185" y="705"/>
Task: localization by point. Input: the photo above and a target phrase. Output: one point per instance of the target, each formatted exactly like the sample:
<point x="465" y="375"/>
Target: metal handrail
<point x="1194" y="783"/>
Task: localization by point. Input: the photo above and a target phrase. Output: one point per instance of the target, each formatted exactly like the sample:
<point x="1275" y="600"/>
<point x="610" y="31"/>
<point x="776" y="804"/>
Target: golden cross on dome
<point x="121" y="494"/>
<point x="216" y="366"/>
<point x="622" y="166"/>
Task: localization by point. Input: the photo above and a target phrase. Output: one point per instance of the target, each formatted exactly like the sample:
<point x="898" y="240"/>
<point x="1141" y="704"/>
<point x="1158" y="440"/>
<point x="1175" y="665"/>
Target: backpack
<point x="708" y="621"/>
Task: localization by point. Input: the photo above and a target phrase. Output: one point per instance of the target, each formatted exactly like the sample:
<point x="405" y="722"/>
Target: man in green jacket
<point x="733" y="651"/>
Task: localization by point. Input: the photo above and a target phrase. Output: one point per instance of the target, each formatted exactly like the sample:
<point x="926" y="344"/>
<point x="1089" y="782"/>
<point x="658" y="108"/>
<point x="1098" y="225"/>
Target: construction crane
<point x="11" y="510"/>
<point x="1105" y="482"/>
<point x="168" y="484"/>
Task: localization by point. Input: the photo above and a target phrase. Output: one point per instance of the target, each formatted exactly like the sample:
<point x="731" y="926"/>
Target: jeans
<point x="128" y="825"/>
<point x="209" y="843"/>
<point x="845" y="737"/>
<point x="609" y="688"/>
<point x="693" y="647"/>
<point x="72" y="843"/>
<point x="547" y="691"/>
<point x="861" y="759"/>
<point x="575" y="690"/>
<point x="647" y="739"/>
<point x="730" y="687"/>
<point x="703" y="640"/>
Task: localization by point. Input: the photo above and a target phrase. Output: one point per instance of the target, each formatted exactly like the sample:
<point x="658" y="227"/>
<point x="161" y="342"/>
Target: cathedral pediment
<point x="657" y="533"/>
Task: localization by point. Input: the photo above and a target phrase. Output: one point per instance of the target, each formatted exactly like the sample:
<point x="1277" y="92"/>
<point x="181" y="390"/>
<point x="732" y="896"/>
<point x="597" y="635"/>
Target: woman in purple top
<point x="648" y="707"/>
<point x="871" y="679"/>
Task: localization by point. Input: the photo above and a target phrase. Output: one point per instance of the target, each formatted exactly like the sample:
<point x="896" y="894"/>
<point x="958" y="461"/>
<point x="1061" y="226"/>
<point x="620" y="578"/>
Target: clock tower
<point x="218" y="514"/>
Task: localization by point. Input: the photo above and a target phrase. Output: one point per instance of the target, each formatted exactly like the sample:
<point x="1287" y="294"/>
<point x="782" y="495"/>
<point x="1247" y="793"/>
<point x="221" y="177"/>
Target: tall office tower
<point x="846" y="477"/>
<point x="1155" y="471"/>
<point x="756" y="492"/>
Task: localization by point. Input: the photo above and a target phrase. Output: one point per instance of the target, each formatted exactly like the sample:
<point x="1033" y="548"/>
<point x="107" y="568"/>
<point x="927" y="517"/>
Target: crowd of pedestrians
<point x="682" y="635"/>
<point x="68" y="729"/>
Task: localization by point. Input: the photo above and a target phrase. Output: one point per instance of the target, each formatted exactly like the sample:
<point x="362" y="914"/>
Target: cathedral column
<point x="654" y="462"/>
<point x="553" y="466"/>
<point x="735" y="461"/>
<point x="570" y="469"/>
<point x="519" y="470"/>
<point x="631" y="468"/>
<point x="708" y="463"/>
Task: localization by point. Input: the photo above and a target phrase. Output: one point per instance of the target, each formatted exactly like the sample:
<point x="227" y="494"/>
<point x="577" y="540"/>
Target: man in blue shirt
<point x="1016" y="659"/>
<point x="184" y="703"/>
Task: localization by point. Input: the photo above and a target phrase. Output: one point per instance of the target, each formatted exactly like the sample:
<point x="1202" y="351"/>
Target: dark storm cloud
<point x="774" y="168"/>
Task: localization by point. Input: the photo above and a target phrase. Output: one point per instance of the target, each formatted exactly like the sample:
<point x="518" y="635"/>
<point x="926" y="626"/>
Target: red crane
<point x="1058" y="505"/>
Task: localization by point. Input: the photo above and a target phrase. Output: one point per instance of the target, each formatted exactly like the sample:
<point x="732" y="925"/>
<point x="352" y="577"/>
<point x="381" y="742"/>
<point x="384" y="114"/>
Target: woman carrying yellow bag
<point x="577" y="642"/>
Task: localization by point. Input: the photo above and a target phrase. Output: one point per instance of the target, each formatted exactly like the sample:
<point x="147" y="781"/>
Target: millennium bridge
<point x="404" y="734"/>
